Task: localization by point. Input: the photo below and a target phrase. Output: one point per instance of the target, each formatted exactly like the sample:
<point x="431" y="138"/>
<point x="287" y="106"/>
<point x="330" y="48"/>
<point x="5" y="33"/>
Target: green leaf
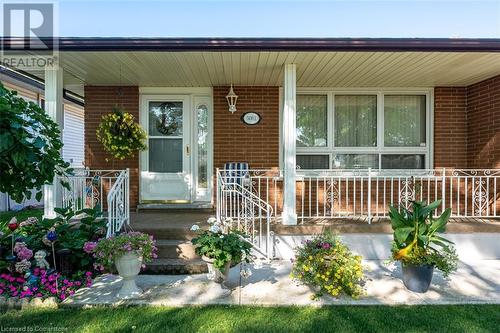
<point x="430" y="208"/>
<point x="401" y="234"/>
<point x="39" y="143"/>
<point x="38" y="195"/>
<point x="439" y="224"/>
<point x="397" y="220"/>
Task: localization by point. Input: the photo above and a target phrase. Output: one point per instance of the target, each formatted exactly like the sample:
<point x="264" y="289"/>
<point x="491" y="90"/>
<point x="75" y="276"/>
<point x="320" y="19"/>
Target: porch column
<point x="289" y="105"/>
<point x="54" y="107"/>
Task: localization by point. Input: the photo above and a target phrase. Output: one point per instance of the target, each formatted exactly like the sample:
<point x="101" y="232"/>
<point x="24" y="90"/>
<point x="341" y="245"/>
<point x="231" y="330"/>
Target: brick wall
<point x="467" y="125"/>
<point x="450" y="127"/>
<point x="483" y="124"/>
<point x="236" y="142"/>
<point x="99" y="101"/>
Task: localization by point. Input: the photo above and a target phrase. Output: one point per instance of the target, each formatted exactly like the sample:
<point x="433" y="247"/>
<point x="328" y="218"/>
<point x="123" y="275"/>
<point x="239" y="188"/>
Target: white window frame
<point x="380" y="149"/>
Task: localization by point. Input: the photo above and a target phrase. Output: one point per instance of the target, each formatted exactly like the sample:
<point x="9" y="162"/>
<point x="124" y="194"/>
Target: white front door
<point x="166" y="164"/>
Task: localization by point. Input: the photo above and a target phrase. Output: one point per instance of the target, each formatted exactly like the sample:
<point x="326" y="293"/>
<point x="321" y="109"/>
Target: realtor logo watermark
<point x="30" y="39"/>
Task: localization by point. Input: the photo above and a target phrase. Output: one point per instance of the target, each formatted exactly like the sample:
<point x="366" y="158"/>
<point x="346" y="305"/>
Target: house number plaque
<point x="251" y="118"/>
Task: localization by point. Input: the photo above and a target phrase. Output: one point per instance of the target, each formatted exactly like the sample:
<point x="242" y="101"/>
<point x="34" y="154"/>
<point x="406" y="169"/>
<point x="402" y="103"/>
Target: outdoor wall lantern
<point x="231" y="100"/>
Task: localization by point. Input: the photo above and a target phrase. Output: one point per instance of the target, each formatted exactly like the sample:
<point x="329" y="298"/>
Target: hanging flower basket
<point x="120" y="135"/>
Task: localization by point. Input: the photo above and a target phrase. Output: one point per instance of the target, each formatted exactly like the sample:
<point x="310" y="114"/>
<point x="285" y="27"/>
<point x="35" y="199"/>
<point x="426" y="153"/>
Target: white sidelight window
<point x="359" y="129"/>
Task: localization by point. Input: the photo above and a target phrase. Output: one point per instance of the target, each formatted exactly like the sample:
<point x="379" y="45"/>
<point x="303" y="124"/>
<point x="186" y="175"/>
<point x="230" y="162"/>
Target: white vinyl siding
<point x="73" y="135"/>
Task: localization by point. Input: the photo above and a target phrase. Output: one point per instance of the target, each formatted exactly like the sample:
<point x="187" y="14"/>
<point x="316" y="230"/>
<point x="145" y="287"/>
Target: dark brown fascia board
<point x="83" y="44"/>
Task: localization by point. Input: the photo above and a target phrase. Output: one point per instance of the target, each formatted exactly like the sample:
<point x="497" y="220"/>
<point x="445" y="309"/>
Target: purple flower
<point x="326" y="245"/>
<point x="89" y="247"/>
<point x="24" y="253"/>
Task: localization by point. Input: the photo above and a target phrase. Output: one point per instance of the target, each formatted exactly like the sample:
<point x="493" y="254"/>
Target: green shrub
<point x="30" y="147"/>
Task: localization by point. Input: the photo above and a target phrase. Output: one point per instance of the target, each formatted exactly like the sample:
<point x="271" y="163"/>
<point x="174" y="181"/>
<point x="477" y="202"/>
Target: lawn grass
<point x="20" y="215"/>
<point x="407" y="319"/>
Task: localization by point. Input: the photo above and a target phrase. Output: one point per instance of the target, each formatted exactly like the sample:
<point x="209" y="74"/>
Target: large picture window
<point x="311" y="121"/>
<point x="359" y="130"/>
<point x="355" y="120"/>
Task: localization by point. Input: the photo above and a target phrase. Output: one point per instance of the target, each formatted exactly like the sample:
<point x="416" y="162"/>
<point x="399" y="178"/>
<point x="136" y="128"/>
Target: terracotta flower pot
<point x="128" y="267"/>
<point x="215" y="274"/>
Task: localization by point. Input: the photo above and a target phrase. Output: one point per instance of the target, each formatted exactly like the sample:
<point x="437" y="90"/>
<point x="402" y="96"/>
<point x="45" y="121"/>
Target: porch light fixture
<point x="231" y="100"/>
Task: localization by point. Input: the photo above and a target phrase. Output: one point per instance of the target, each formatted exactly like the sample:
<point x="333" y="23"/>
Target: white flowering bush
<point x="221" y="243"/>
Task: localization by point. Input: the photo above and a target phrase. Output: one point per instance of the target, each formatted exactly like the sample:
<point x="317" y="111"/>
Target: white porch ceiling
<point x="314" y="69"/>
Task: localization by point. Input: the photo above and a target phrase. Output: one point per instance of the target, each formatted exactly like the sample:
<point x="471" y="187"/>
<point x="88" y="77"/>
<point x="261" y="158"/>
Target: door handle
<point x="188" y="151"/>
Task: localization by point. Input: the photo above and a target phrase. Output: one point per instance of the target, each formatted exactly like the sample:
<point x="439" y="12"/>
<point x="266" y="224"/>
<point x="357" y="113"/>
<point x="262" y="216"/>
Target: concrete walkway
<point x="270" y="284"/>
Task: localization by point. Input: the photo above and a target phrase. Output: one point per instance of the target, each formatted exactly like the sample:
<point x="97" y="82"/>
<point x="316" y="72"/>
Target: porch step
<point x="176" y="266"/>
<point x="176" y="249"/>
<point x="170" y="234"/>
<point x="198" y="206"/>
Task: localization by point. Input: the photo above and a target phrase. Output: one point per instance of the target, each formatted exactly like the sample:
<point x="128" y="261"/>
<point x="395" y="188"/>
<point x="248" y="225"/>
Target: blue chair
<point x="237" y="173"/>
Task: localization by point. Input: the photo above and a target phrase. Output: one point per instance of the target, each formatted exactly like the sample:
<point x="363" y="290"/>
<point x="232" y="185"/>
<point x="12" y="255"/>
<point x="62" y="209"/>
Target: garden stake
<point x="55" y="268"/>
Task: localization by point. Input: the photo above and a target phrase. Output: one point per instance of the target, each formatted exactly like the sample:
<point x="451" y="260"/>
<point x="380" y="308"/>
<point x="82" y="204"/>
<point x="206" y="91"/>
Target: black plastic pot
<point x="417" y="278"/>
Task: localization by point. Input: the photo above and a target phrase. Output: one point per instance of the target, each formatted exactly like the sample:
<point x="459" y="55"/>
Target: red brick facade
<point x="467" y="125"/>
<point x="237" y="142"/>
<point x="450" y="127"/>
<point x="99" y="101"/>
<point x="483" y="124"/>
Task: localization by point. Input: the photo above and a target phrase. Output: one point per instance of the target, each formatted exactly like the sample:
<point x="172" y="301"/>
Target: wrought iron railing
<point x="368" y="193"/>
<point x="119" y="204"/>
<point x="245" y="211"/>
<point x="105" y="190"/>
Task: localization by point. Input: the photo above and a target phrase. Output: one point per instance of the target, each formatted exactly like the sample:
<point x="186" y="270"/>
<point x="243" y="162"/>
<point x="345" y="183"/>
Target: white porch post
<point x="54" y="108"/>
<point x="289" y="105"/>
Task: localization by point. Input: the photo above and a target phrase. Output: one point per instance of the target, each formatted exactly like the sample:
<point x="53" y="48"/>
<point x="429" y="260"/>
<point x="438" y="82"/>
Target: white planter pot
<point x="129" y="266"/>
<point x="215" y="274"/>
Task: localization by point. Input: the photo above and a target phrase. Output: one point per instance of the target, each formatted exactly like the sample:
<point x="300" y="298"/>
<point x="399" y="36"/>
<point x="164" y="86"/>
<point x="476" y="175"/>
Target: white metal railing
<point x="88" y="188"/>
<point x="247" y="211"/>
<point x="119" y="204"/>
<point x="368" y="193"/>
<point x="106" y="190"/>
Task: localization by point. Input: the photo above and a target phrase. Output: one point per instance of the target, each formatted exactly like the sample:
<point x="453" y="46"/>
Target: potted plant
<point x="120" y="134"/>
<point x="328" y="266"/>
<point x="220" y="246"/>
<point x="418" y="246"/>
<point x="128" y="252"/>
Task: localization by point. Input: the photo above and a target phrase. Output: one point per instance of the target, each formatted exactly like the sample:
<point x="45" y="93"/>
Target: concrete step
<point x="178" y="234"/>
<point x="195" y="207"/>
<point x="176" y="249"/>
<point x="176" y="267"/>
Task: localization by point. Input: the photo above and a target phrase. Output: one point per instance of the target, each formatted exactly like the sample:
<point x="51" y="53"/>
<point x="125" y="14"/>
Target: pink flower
<point x="89" y="247"/>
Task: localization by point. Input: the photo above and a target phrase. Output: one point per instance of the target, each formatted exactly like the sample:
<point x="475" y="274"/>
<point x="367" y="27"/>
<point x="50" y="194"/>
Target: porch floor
<point x="168" y="224"/>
